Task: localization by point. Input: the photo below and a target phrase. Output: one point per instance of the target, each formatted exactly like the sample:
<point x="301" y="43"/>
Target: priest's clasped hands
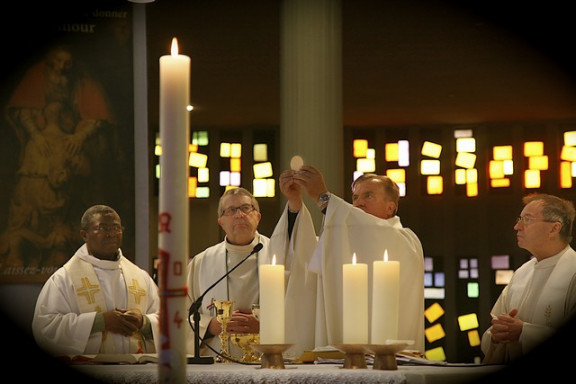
<point x="506" y="327"/>
<point x="241" y="321"/>
<point x="123" y="321"/>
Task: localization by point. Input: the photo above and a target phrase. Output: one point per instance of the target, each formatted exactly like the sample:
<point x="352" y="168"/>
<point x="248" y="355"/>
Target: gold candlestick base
<point x="271" y="354"/>
<point x="353" y="355"/>
<point x="385" y="354"/>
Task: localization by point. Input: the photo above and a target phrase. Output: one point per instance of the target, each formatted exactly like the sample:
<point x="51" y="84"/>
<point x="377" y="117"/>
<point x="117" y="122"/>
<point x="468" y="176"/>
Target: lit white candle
<point x="385" y="300"/>
<point x="355" y="303"/>
<point x="272" y="321"/>
<point x="173" y="213"/>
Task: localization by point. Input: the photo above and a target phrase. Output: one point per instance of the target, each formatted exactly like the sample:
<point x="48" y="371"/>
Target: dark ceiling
<point x="404" y="62"/>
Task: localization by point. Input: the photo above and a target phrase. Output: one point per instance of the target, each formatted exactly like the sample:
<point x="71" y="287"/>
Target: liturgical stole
<point x="90" y="297"/>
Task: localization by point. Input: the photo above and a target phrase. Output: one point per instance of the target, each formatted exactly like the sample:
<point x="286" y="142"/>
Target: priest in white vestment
<point x="369" y="227"/>
<point x="541" y="295"/>
<point x="239" y="216"/>
<point x="99" y="301"/>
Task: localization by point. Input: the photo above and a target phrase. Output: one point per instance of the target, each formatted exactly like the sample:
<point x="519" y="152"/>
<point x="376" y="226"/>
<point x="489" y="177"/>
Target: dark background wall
<point x="420" y="66"/>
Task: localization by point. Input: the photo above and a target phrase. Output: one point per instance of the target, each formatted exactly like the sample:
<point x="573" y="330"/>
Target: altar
<point x="293" y="374"/>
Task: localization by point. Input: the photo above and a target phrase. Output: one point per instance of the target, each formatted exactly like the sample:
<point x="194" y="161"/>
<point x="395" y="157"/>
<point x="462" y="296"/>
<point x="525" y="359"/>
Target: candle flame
<point x="354" y="258"/>
<point x="274" y="260"/>
<point x="174" y="49"/>
<point x="385" y="255"/>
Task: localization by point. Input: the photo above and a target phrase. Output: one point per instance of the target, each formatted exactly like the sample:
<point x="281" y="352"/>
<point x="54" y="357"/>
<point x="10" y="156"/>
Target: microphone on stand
<point x="194" y="311"/>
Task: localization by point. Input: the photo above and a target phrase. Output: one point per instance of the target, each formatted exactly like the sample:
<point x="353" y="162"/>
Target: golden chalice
<point x="223" y="315"/>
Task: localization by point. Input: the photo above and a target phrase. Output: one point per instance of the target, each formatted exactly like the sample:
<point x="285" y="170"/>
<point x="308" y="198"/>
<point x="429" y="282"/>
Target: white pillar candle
<point x="173" y="213"/>
<point x="355" y="303"/>
<point x="272" y="325"/>
<point x="385" y="300"/>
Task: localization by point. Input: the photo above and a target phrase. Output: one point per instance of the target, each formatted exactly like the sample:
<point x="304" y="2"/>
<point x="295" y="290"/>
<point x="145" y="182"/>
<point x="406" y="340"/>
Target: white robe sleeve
<point x="349" y="230"/>
<point x="300" y="301"/>
<point x="57" y="327"/>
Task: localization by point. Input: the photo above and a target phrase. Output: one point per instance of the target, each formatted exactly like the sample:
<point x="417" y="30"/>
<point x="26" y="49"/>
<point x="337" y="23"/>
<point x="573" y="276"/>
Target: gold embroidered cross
<point x="87" y="289"/>
<point x="136" y="291"/>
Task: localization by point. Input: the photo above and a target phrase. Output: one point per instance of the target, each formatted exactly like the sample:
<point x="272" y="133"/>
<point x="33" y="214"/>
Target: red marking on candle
<point x="178" y="319"/>
<point x="164" y="222"/>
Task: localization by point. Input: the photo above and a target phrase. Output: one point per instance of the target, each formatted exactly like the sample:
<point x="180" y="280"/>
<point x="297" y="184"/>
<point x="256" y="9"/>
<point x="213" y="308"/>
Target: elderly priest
<point x="369" y="227"/>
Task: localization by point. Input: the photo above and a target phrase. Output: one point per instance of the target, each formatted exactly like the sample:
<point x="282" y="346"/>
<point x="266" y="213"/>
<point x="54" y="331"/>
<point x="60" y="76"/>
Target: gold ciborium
<point x="244" y="341"/>
<point x="223" y="315"/>
<point x="256" y="311"/>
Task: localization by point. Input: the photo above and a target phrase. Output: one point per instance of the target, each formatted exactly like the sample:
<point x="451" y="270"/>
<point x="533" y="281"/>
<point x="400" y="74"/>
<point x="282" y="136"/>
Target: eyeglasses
<point x="244" y="208"/>
<point x="109" y="229"/>
<point x="527" y="220"/>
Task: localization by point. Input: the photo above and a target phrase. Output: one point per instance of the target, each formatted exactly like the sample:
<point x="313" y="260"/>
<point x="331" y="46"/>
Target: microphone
<point x="194" y="310"/>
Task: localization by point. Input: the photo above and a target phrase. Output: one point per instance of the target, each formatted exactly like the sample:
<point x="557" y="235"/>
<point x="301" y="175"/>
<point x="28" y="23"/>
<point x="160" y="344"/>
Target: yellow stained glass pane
<point x="360" y="147"/>
<point x="192" y="148"/>
<point x="436" y="354"/>
<point x="434" y="312"/>
<point x="260" y="152"/>
<point x="158" y="171"/>
<point x="225" y="150"/>
<point x="197" y="160"/>
<point x="538" y="162"/>
<point x="235" y="164"/>
<point x="435" y="185"/>
<point x="496" y="169"/>
<point x="465" y="160"/>
<point x="502" y="152"/>
<point x="471" y="189"/>
<point x="259" y="186"/>
<point x="503" y="276"/>
<point x="469" y="321"/>
<point x="472" y="175"/>
<point x="568" y="153"/>
<point x="531" y="178"/>
<point x="236" y="150"/>
<point x="460" y="176"/>
<point x="533" y="148"/>
<point x="270" y="188"/>
<point x="263" y="170"/>
<point x="398" y="174"/>
<point x="391" y="151"/>
<point x="565" y="174"/>
<point x="366" y="165"/>
<point x="570" y="138"/>
<point x="431" y="149"/>
<point x="435" y="332"/>
<point x="500" y="183"/>
<point x="192" y="184"/>
<point x="474" y="338"/>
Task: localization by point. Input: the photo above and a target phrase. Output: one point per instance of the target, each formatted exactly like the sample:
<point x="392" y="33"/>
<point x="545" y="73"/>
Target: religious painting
<point x="66" y="138"/>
